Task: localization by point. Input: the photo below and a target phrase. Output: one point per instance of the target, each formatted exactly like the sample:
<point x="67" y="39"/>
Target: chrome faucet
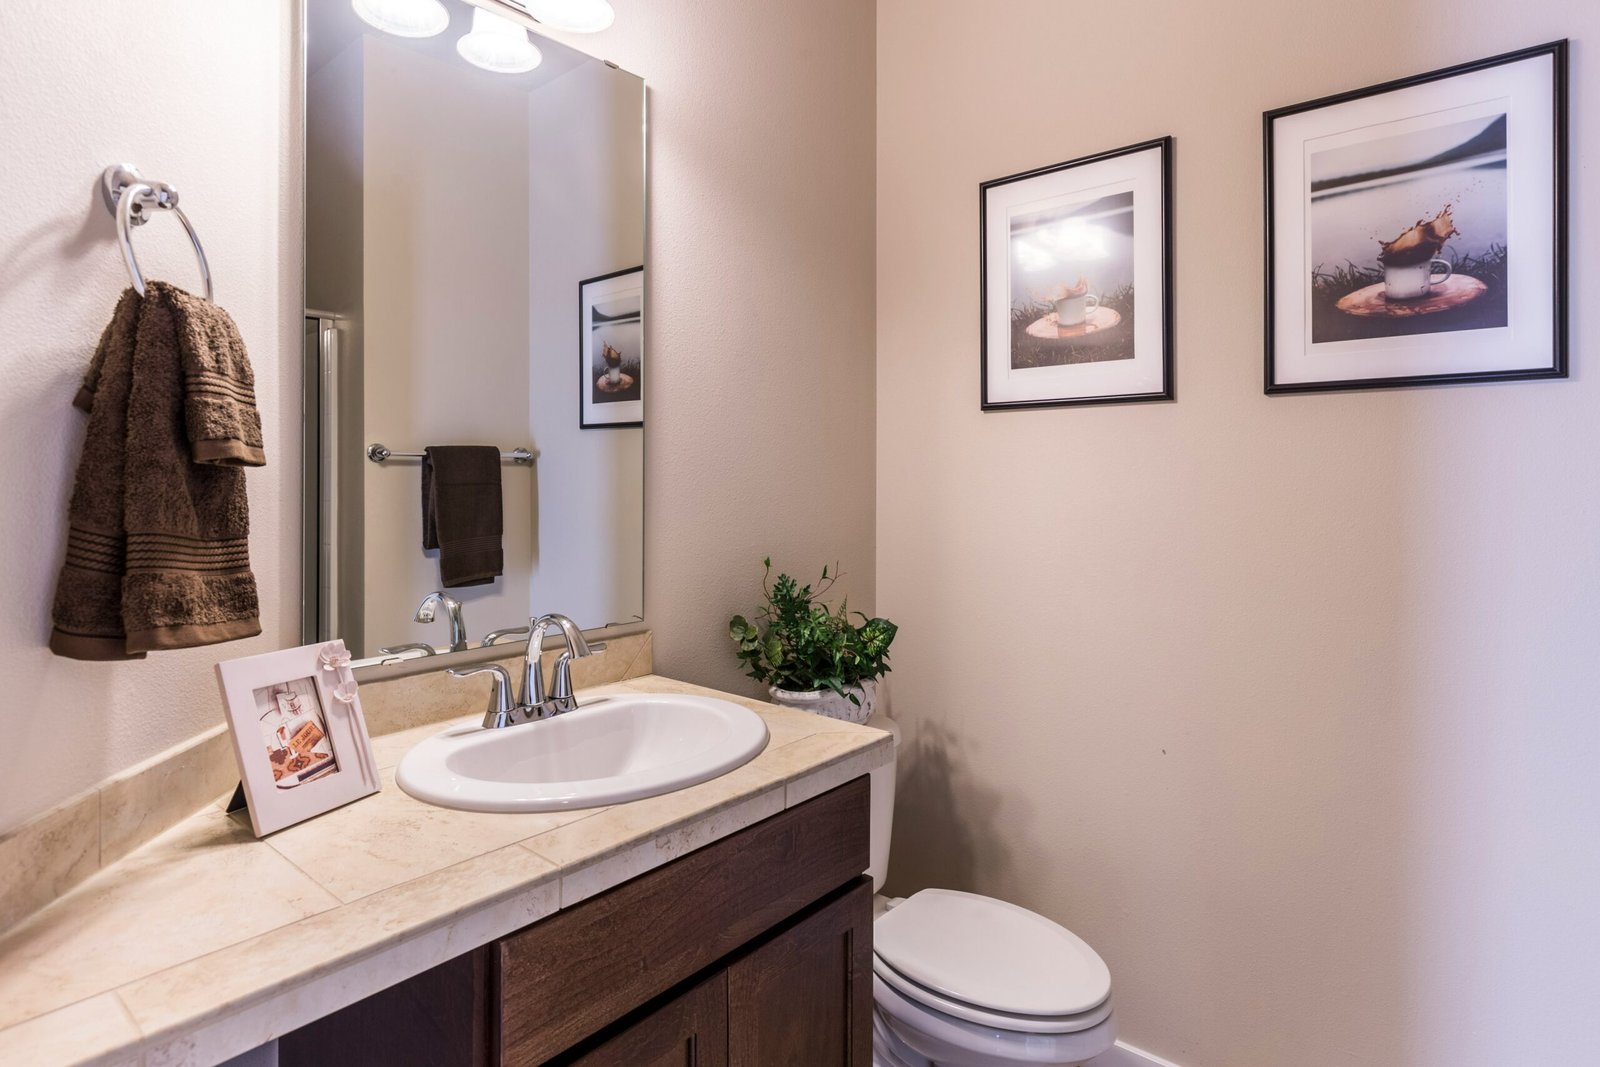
<point x="452" y="606"/>
<point x="531" y="703"/>
<point x="561" y="698"/>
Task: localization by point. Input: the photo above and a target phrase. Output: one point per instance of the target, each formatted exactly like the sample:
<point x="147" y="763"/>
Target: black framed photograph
<point x="611" y="350"/>
<point x="1064" y="252"/>
<point x="1416" y="230"/>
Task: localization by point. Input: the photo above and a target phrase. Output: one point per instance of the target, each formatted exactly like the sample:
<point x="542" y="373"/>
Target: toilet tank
<point x="882" y="805"/>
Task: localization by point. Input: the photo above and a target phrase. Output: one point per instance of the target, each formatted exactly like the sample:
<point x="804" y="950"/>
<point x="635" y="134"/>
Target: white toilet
<point x="961" y="980"/>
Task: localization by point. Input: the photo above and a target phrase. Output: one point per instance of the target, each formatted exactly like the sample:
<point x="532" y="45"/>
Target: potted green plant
<point x="810" y="656"/>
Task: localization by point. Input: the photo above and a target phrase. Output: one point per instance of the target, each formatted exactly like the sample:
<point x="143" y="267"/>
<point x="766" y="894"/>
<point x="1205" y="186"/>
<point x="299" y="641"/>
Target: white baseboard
<point x="1125" y="1055"/>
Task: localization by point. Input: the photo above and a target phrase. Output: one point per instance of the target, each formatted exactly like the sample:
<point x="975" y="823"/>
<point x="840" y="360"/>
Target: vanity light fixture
<point x="497" y="44"/>
<point x="573" y="16"/>
<point x="404" y="18"/>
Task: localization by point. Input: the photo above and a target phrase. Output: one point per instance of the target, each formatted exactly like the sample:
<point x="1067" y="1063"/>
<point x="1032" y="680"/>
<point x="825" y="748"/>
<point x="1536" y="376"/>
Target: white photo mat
<point x="246" y="682"/>
<point x="1525" y="92"/>
<point x="1141" y="172"/>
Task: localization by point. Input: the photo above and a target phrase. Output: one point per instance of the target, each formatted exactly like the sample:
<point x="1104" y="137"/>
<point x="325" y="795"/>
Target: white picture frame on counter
<point x="298" y="733"/>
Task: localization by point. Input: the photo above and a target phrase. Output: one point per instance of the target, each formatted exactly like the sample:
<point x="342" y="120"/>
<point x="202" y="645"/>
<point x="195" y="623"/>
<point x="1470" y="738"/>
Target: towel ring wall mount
<point x="131" y="200"/>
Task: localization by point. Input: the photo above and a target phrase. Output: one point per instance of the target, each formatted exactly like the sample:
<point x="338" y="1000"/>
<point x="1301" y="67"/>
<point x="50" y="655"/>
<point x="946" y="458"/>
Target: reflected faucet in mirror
<point x="452" y="606"/>
<point x="420" y="647"/>
<point x="494" y="637"/>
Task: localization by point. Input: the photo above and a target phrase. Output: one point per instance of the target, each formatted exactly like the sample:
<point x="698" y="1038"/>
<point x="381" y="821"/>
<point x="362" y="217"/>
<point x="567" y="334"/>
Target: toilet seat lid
<point x="998" y="1020"/>
<point x="991" y="954"/>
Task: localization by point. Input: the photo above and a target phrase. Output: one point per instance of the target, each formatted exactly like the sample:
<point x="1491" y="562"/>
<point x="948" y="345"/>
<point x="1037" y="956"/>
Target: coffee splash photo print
<point x="1072" y="283"/>
<point x="1416" y="230"/>
<point x="1408" y="233"/>
<point x="1064" y="250"/>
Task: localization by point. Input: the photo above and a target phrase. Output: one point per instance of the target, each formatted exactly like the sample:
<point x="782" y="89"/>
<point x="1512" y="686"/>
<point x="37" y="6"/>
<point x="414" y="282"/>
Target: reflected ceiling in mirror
<point x="474" y="276"/>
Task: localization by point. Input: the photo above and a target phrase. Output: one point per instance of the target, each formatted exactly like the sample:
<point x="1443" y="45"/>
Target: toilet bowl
<point x="963" y="980"/>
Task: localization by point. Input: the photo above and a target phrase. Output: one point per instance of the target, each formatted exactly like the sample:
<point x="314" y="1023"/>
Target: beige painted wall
<point x="1287" y="705"/>
<point x="760" y="300"/>
<point x="200" y="94"/>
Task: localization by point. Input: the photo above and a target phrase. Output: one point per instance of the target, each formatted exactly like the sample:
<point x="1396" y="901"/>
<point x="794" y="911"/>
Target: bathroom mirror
<point x="475" y="252"/>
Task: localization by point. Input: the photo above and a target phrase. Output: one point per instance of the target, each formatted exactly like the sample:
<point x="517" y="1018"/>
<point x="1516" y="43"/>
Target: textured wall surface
<point x="199" y="94"/>
<point x="1287" y="705"/>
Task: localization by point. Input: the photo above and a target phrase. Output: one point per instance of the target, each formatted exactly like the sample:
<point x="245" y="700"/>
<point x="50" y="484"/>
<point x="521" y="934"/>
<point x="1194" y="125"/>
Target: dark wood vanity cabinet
<point x="754" y="951"/>
<point x="803" y="997"/>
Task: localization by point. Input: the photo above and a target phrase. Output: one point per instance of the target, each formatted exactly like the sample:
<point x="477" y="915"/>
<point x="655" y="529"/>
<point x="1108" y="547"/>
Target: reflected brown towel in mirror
<point x="462" y="512"/>
<point x="159" y="525"/>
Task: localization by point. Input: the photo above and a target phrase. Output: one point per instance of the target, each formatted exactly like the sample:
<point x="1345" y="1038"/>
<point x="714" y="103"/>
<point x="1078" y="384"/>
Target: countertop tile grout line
<point x="339" y="901"/>
<point x="351" y="959"/>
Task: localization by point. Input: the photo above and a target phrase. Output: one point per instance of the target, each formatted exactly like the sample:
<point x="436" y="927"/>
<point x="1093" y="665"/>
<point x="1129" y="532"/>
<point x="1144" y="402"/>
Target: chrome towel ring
<point x="131" y="200"/>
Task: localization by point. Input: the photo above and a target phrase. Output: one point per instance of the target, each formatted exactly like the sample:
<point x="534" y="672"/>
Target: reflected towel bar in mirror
<point x="381" y="454"/>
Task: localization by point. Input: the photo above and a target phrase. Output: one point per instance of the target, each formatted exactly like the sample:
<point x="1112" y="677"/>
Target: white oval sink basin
<point x="615" y="749"/>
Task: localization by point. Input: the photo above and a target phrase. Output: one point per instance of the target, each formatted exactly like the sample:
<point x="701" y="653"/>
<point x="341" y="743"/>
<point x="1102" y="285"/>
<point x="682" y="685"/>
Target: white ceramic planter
<point x="827" y="702"/>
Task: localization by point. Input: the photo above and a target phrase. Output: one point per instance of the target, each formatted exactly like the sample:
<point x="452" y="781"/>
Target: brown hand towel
<point x="462" y="513"/>
<point x="157" y="548"/>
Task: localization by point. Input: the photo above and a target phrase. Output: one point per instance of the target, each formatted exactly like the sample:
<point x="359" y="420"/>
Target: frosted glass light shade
<point x="573" y="16"/>
<point x="403" y="18"/>
<point x="498" y="44"/>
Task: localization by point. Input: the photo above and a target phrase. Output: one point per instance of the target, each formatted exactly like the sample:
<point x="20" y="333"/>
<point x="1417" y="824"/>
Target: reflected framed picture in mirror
<point x="1416" y="230"/>
<point x="611" y="350"/>
<point x="1064" y="251"/>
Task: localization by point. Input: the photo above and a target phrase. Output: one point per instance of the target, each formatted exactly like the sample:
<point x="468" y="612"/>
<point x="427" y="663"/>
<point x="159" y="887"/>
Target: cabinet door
<point x="691" y="1030"/>
<point x="805" y="997"/>
<point x="569" y="976"/>
<point x="440" y="1018"/>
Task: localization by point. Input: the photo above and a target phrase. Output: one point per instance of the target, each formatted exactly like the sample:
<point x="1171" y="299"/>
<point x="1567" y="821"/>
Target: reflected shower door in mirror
<point x="456" y="219"/>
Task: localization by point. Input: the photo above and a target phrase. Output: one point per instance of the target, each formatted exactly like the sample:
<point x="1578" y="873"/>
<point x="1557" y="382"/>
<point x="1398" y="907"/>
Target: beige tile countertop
<point x="206" y="942"/>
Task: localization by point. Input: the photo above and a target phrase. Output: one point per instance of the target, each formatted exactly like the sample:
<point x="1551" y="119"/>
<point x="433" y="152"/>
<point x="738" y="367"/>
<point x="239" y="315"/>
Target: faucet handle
<point x="561" y="686"/>
<point x="502" y="708"/>
<point x="494" y="637"/>
<point x="413" y="646"/>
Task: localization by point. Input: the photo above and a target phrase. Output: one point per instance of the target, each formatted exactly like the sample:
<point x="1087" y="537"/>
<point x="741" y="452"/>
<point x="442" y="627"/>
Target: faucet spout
<point x="561" y="698"/>
<point x="452" y="607"/>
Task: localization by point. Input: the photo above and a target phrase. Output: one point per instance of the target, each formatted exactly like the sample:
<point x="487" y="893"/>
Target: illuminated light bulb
<point x="497" y="44"/>
<point x="403" y="18"/>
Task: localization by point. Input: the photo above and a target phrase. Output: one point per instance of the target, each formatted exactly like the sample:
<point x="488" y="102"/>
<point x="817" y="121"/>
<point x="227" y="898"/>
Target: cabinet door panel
<point x="805" y="998"/>
<point x="439" y="1017"/>
<point x="569" y="976"/>
<point x="690" y="1030"/>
